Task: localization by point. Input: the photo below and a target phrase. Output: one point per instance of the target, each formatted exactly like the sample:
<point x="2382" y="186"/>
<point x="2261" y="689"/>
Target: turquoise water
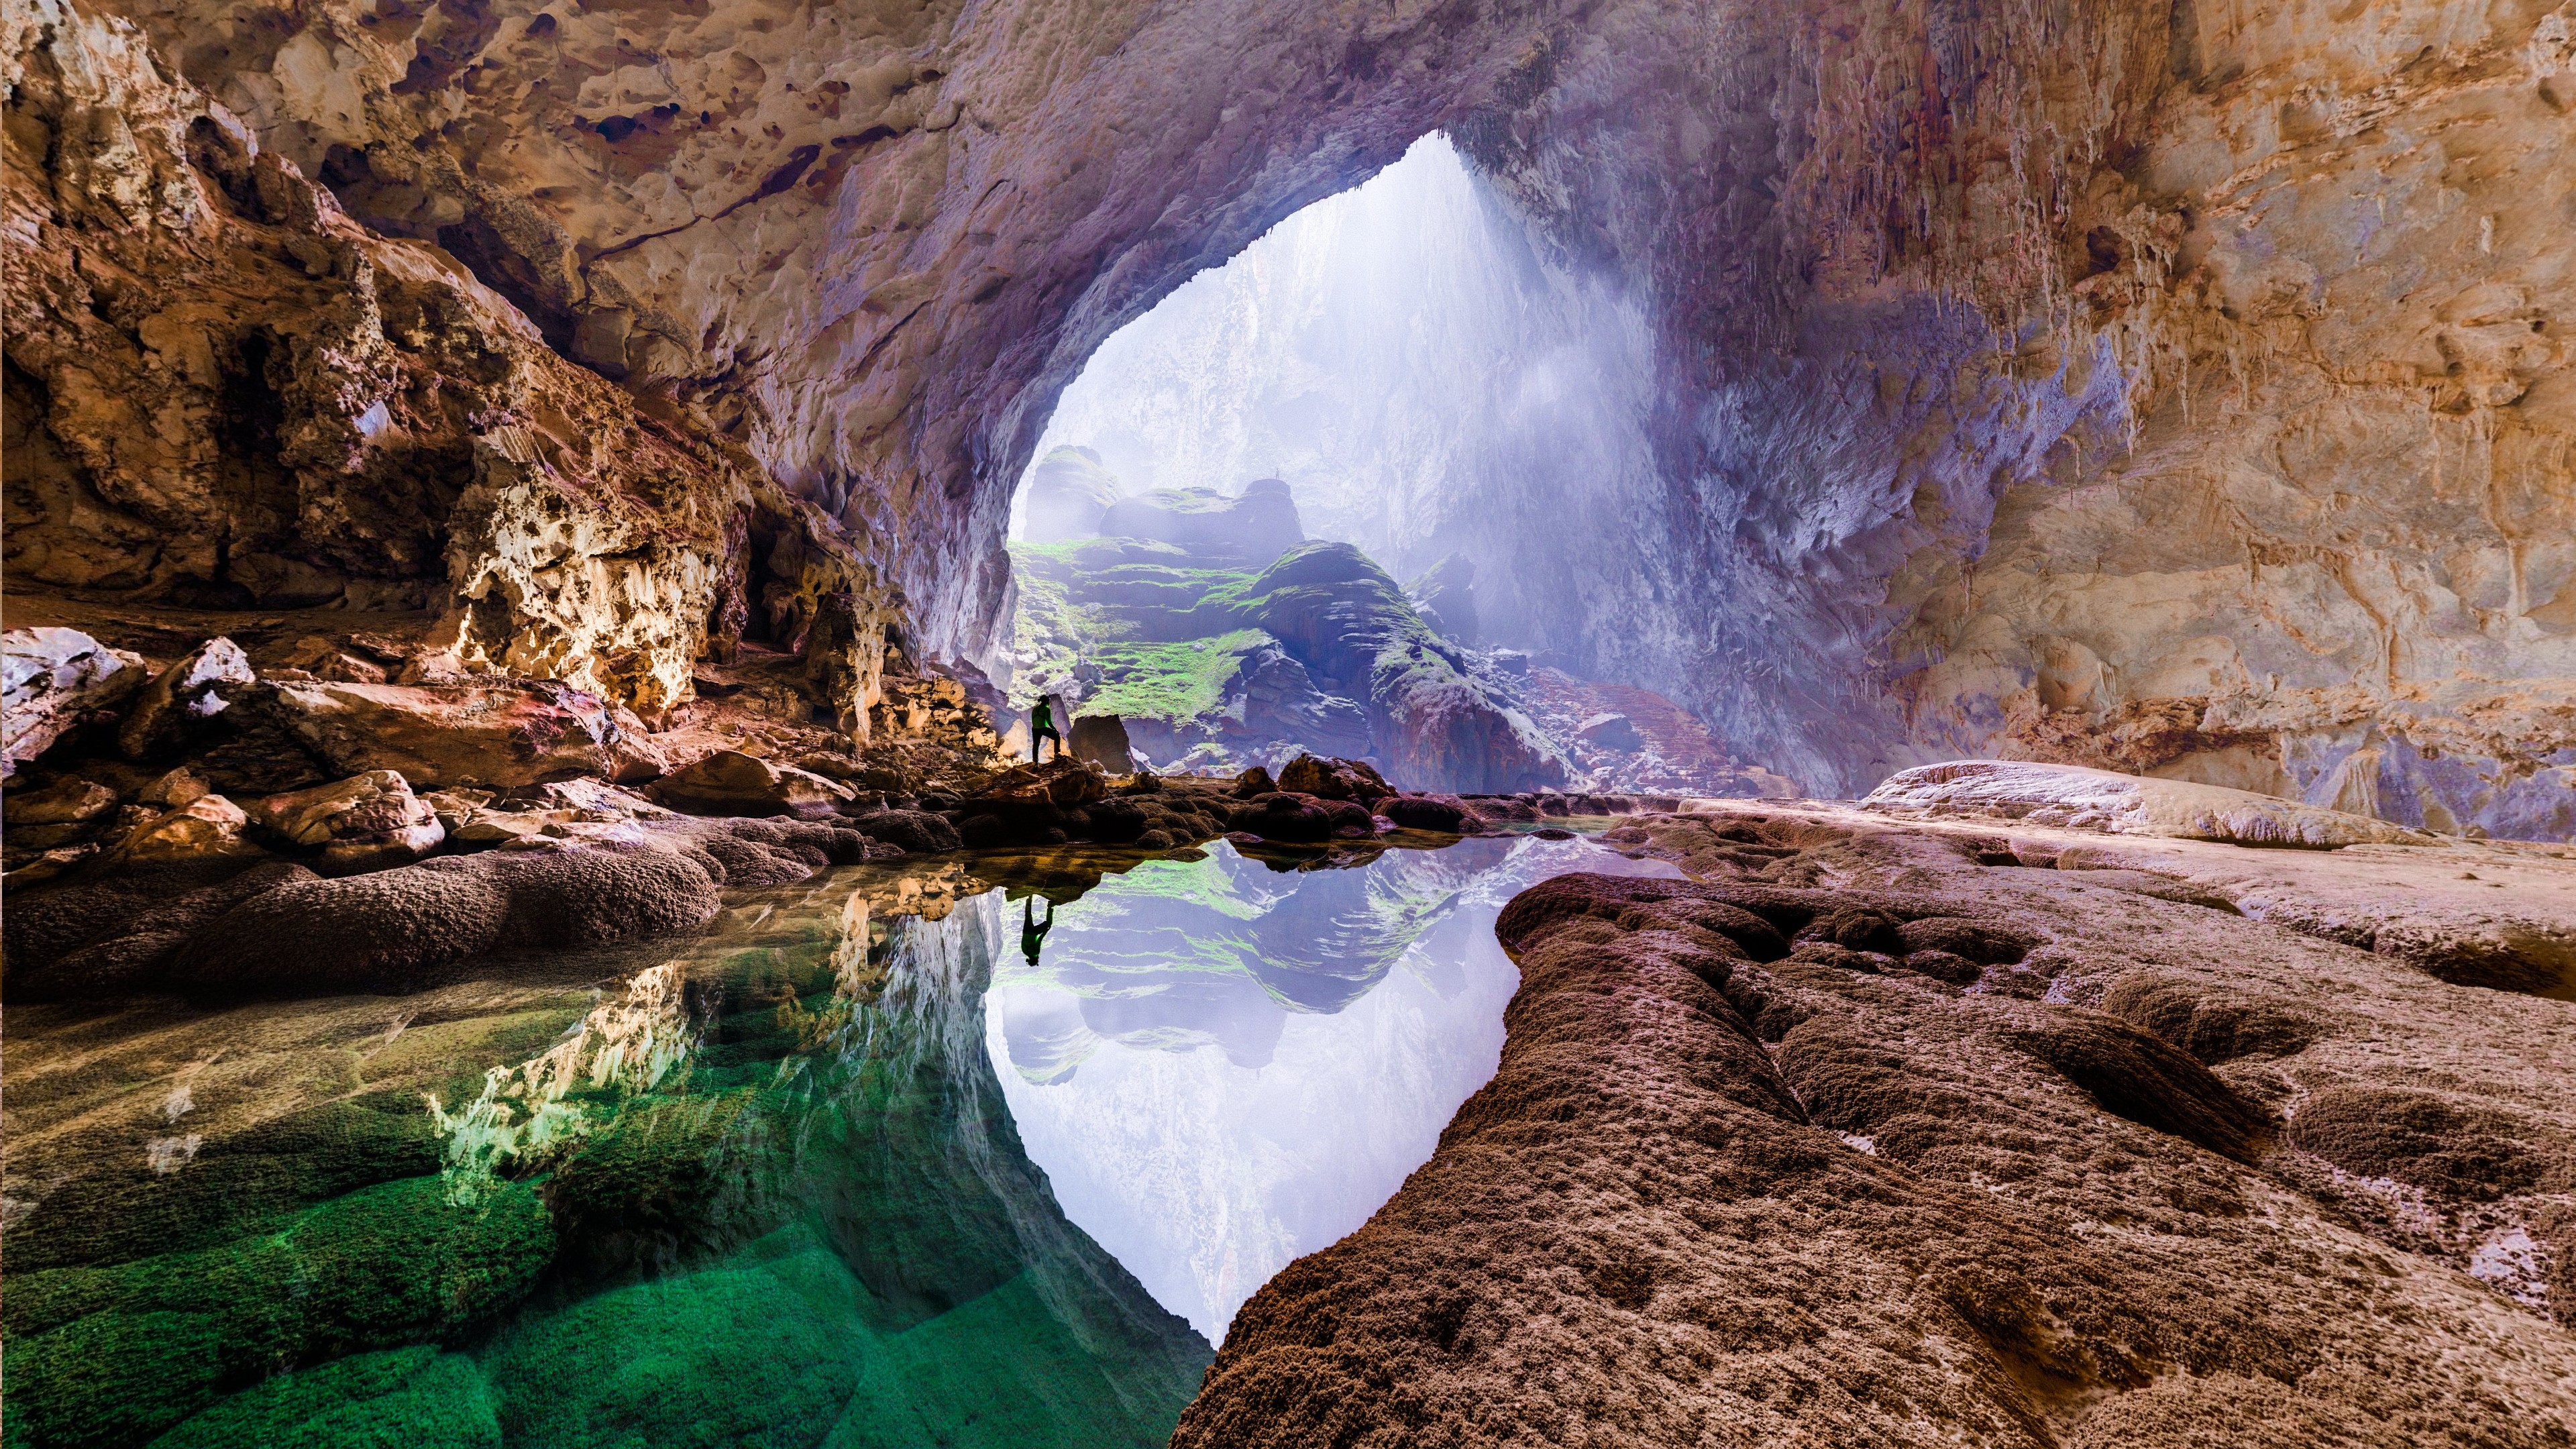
<point x="838" y="1173"/>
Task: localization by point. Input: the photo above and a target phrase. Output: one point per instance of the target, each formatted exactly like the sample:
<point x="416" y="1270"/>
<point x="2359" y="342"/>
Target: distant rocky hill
<point x="1224" y="638"/>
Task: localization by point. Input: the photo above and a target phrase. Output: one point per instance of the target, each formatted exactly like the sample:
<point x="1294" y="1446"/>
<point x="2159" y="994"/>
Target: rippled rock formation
<point x="1880" y="1134"/>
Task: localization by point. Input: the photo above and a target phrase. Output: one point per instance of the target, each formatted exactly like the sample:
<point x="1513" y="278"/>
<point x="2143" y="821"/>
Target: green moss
<point x="410" y="1398"/>
<point x="655" y="1169"/>
<point x="754" y="1353"/>
<point x="106" y="1355"/>
<point x="233" y="1188"/>
<point x="774" y="1347"/>
<point x="1170" y="681"/>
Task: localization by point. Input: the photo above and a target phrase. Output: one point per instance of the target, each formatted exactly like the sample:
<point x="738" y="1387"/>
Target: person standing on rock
<point x="1042" y="727"/>
<point x="1032" y="930"/>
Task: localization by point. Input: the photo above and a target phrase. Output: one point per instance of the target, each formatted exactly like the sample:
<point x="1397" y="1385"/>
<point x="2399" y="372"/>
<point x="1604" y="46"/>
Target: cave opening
<point x="1403" y="396"/>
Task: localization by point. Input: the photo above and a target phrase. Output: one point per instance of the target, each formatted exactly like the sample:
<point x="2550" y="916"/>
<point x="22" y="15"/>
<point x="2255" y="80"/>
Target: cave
<point x="1848" y="655"/>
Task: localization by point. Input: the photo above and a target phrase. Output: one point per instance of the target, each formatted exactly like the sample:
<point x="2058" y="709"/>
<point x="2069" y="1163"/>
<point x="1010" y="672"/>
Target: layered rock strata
<point x="1858" y="1137"/>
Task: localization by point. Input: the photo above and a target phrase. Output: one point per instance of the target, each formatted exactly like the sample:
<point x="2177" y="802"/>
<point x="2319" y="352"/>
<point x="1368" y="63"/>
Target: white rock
<point x="2078" y="798"/>
<point x="49" y="679"/>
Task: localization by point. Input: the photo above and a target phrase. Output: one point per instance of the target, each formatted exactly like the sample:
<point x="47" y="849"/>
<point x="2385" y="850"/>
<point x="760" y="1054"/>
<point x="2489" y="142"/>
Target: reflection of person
<point x="1042" y="727"/>
<point x="1033" y="930"/>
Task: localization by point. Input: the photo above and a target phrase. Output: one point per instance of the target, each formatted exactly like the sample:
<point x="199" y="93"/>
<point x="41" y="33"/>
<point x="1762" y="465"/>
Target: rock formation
<point x="1877" y="1133"/>
<point x="2068" y="384"/>
<point x="1209" y="625"/>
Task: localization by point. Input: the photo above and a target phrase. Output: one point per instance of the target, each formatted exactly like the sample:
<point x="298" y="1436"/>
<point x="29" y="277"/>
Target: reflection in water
<point x="1222" y="1067"/>
<point x="763" y="1187"/>
<point x="760" y="1188"/>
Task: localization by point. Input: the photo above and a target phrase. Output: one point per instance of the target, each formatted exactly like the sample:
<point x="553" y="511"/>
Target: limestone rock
<point x="1061" y="782"/>
<point x="489" y="734"/>
<point x="70" y="801"/>
<point x="1068" y="495"/>
<point x="181" y="698"/>
<point x="2124" y="804"/>
<point x="208" y="827"/>
<point x="1101" y="739"/>
<point x="1289" y="816"/>
<point x="324" y="659"/>
<point x="1331" y="779"/>
<point x="1610" y="731"/>
<point x="177" y="788"/>
<point x="730" y="782"/>
<point x="1879" y="1161"/>
<point x="366" y="822"/>
<point x="52" y="679"/>
<point x="1444" y="813"/>
<point x="1252" y="527"/>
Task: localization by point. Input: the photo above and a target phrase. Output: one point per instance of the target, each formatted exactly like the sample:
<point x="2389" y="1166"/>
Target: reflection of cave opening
<point x="1405" y="370"/>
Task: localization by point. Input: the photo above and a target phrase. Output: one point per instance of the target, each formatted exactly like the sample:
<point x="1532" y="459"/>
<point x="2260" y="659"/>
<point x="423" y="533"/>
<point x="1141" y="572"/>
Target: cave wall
<point x="2173" y="386"/>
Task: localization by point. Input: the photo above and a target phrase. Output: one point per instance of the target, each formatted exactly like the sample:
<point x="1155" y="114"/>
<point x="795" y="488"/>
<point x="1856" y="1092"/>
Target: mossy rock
<point x="755" y="1353"/>
<point x="656" y="1179"/>
<point x="408" y="1398"/>
<point x="235" y="1187"/>
<point x="110" y="1355"/>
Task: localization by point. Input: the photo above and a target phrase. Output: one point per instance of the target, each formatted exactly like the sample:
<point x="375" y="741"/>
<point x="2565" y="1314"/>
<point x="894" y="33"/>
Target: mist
<point x="1429" y="383"/>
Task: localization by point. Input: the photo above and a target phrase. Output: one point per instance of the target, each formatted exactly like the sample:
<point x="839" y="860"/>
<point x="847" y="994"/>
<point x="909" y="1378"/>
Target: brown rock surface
<point x="730" y="782"/>
<point x="180" y="698"/>
<point x="2156" y="1175"/>
<point x="500" y="733"/>
<point x="366" y="822"/>
<point x="208" y="827"/>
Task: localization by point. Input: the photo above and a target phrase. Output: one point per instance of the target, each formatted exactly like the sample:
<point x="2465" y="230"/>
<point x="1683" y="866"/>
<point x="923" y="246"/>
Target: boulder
<point x="918" y="832"/>
<point x="432" y="735"/>
<point x="181" y="698"/>
<point x="1334" y="779"/>
<point x="366" y="822"/>
<point x="176" y="788"/>
<point x="2080" y="798"/>
<point x="1445" y="813"/>
<point x="324" y="659"/>
<point x="53" y="679"/>
<point x="1610" y="732"/>
<point x="1061" y="782"/>
<point x="206" y="828"/>
<point x="730" y="782"/>
<point x="1101" y="739"/>
<point x="65" y="802"/>
<point x="1289" y="816"/>
<point x="1254" y="782"/>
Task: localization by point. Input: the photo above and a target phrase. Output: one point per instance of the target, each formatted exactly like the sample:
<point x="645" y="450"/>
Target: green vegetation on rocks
<point x="100" y="1356"/>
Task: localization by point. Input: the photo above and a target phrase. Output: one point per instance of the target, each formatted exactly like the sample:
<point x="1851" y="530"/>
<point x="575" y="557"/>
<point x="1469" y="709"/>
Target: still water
<point x="979" y="1151"/>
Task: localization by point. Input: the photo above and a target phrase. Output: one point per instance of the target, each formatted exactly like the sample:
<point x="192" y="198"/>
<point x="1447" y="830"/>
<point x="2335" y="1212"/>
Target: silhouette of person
<point x="1032" y="930"/>
<point x="1042" y="728"/>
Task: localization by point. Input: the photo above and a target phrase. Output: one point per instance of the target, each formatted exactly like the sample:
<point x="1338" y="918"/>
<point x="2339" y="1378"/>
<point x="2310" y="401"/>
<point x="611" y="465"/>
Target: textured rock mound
<point x="280" y="928"/>
<point x="2088" y="799"/>
<point x="1928" y="1213"/>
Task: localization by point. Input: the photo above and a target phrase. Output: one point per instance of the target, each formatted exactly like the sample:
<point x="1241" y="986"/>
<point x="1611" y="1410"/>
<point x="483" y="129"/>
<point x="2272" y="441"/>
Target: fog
<point x="1428" y="384"/>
